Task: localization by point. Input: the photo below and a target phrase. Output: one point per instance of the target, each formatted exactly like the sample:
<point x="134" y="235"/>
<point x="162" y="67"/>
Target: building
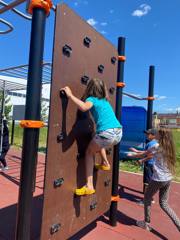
<point x="170" y="120"/>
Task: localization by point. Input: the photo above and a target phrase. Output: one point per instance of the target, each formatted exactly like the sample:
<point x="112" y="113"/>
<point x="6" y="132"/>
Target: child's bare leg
<point x="104" y="160"/>
<point x="90" y="152"/>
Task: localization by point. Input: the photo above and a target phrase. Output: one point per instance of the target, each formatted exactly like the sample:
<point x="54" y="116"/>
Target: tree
<point x="8" y="106"/>
<point x="44" y="111"/>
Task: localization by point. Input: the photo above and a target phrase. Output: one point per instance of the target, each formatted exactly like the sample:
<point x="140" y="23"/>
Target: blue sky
<point x="152" y="37"/>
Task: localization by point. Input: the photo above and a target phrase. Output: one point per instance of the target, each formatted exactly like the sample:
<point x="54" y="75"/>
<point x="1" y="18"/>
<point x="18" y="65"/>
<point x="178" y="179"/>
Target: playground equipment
<point x="70" y="131"/>
<point x="136" y="120"/>
<point x="134" y="123"/>
<point x="32" y="115"/>
<point x="63" y="213"/>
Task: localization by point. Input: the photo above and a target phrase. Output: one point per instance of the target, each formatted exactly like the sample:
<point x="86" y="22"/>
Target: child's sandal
<point x="102" y="167"/>
<point x="84" y="191"/>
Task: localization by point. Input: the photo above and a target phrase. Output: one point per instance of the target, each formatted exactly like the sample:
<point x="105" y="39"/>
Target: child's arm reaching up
<point x="83" y="106"/>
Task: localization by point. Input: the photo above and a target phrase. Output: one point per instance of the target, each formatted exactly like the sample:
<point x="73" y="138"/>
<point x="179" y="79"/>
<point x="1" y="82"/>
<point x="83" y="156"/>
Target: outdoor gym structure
<point x="80" y="53"/>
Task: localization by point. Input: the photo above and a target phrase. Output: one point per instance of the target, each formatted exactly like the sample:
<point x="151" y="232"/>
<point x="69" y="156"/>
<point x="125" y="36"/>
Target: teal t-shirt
<point x="103" y="114"/>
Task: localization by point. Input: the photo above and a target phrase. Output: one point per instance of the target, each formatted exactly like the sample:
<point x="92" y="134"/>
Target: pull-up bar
<point x="138" y="98"/>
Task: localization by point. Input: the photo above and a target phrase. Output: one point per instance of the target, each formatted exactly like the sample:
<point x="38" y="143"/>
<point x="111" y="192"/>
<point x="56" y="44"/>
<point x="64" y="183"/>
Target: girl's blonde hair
<point x="166" y="143"/>
<point x="96" y="88"/>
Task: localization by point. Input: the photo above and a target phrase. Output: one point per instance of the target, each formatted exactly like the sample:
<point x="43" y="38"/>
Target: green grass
<point x="132" y="166"/>
<point x="18" y="137"/>
<point x="176" y="134"/>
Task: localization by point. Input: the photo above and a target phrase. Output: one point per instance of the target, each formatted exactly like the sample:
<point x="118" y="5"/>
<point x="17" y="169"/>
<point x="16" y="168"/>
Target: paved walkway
<point x="128" y="208"/>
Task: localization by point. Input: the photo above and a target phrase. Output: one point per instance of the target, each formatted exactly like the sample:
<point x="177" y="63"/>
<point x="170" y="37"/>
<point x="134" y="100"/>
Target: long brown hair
<point x="96" y="88"/>
<point x="166" y="143"/>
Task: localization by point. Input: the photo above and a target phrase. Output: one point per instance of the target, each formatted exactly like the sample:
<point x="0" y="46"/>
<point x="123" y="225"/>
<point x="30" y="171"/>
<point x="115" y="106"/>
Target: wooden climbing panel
<point x="80" y="53"/>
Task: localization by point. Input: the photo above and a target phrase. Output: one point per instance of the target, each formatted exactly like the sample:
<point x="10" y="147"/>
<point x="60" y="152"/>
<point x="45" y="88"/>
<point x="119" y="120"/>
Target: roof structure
<point x="11" y="86"/>
<point x="21" y="72"/>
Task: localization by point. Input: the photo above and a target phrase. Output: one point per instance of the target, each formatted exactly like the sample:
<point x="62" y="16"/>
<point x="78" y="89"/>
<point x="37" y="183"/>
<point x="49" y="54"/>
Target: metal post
<point x="2" y="116"/>
<point x="115" y="179"/>
<point x="150" y="94"/>
<point x="12" y="132"/>
<point x="149" y="109"/>
<point x="31" y="135"/>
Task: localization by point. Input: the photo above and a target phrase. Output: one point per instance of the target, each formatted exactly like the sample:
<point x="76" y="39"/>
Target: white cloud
<point x="142" y="11"/>
<point x="103" y="32"/>
<point x="159" y="97"/>
<point x="170" y="109"/>
<point x="103" y="24"/>
<point x="92" y="21"/>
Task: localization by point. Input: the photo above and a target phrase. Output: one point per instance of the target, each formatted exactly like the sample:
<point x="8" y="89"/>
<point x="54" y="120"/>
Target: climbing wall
<point x="80" y="53"/>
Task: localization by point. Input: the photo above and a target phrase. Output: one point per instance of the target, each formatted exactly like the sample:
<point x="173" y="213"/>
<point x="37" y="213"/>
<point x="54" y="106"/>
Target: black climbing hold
<point x="93" y="206"/>
<point x="62" y="94"/>
<point x="84" y="79"/>
<point x="55" y="228"/>
<point x="87" y="41"/>
<point x="67" y="50"/>
<point x="100" y="68"/>
<point x="113" y="60"/>
<point x="107" y="182"/>
<point x="111" y="90"/>
<point x="58" y="182"/>
<point x="60" y="137"/>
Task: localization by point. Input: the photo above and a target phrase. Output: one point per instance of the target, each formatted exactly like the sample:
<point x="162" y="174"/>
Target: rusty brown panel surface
<point x="66" y="159"/>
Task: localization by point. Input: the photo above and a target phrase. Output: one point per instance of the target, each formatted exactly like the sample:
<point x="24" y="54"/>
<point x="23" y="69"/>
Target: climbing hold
<point x="84" y="79"/>
<point x="67" y="50"/>
<point x="55" y="228"/>
<point x="113" y="60"/>
<point x="60" y="137"/>
<point x="100" y="68"/>
<point x="87" y="41"/>
<point x="58" y="182"/>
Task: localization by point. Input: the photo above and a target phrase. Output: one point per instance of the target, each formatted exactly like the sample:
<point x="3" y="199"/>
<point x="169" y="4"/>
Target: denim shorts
<point x="108" y="137"/>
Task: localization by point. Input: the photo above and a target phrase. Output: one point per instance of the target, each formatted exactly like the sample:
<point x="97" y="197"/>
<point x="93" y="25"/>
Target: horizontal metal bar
<point x="45" y="64"/>
<point x="9" y="68"/>
<point x="133" y="96"/>
<point x="16" y="11"/>
<point x="11" y="5"/>
<point x="9" y="74"/>
<point x="16" y="73"/>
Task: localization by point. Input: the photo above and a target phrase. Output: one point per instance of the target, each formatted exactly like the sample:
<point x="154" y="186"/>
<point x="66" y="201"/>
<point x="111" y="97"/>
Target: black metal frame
<point x="31" y="135"/>
<point x="115" y="177"/>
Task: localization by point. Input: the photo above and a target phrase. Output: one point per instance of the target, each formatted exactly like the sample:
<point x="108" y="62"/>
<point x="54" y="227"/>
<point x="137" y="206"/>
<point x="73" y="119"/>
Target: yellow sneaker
<point x="84" y="191"/>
